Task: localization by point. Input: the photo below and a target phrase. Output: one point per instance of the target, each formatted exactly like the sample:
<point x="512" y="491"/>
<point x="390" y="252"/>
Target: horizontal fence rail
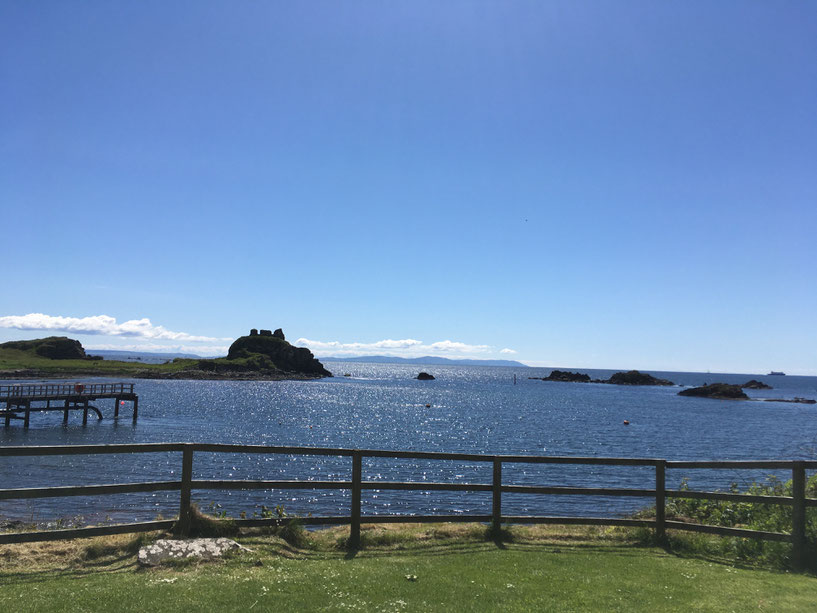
<point x="356" y="485"/>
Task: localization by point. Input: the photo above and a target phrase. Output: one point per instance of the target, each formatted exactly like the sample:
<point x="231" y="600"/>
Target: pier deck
<point x="18" y="401"/>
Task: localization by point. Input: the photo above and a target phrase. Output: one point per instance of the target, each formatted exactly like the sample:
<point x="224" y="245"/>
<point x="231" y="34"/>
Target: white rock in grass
<point x="204" y="549"/>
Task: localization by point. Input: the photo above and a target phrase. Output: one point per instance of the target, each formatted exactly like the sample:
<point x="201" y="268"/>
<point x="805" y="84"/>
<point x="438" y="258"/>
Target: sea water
<point x="473" y="409"/>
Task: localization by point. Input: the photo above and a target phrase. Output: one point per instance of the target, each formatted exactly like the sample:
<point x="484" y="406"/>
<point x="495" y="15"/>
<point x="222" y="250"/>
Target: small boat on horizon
<point x="777" y="372"/>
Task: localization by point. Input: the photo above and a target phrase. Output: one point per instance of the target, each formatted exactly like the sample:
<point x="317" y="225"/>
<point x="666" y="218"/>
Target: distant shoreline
<point x="427" y="360"/>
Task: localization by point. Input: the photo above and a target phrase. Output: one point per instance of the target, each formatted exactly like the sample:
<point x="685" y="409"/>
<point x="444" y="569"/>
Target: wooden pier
<point x="19" y="401"/>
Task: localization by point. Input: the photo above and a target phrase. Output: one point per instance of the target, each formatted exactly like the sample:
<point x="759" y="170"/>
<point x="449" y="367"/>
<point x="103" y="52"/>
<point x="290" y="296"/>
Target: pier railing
<point x="44" y="391"/>
<point x="187" y="484"/>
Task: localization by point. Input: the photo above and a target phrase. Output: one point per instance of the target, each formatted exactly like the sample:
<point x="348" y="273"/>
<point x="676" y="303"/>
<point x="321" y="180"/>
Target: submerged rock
<point x="796" y="400"/>
<point x="424" y="376"/>
<point x="720" y="391"/>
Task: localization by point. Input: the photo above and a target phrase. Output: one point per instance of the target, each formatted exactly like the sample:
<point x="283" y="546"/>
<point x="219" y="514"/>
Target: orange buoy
<point x="626" y="422"/>
<point x="428" y="406"/>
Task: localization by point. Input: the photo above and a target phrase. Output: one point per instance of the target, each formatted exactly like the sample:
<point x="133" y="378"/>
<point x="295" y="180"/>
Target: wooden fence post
<point x="660" y="501"/>
<point x="496" y="507"/>
<point x="798" y="516"/>
<point x="184" y="497"/>
<point x="357" y="472"/>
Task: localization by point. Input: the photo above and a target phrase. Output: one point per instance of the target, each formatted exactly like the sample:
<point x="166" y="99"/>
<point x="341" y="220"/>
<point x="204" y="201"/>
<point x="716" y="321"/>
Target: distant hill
<point x="435" y="361"/>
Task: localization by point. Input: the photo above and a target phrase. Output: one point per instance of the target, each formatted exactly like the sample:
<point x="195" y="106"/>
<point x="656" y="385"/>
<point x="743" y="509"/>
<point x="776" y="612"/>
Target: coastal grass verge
<point x="408" y="567"/>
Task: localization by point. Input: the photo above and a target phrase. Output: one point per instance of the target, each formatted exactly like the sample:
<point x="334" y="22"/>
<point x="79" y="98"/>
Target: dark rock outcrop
<point x="566" y="375"/>
<point x="424" y="376"/>
<point x="634" y="377"/>
<point x="754" y="384"/>
<point x="279" y="334"/>
<point x="277" y="352"/>
<point x="52" y="347"/>
<point x="720" y="391"/>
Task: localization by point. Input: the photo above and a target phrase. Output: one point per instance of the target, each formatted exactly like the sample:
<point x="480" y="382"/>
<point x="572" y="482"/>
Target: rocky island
<point x="634" y="377"/>
<point x="566" y="375"/>
<point x="631" y="377"/>
<point x="754" y="384"/>
<point x="263" y="355"/>
<point x="719" y="391"/>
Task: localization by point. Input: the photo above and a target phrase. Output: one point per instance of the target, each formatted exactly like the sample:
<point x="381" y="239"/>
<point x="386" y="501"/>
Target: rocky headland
<point x="51" y="348"/>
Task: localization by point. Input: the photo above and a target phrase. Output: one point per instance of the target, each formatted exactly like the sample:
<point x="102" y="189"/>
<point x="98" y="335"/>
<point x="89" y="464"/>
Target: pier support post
<point x="28" y="414"/>
<point x="65" y="413"/>
<point x="85" y="414"/>
<point x="116" y="407"/>
<point x="135" y="408"/>
<point x="8" y="414"/>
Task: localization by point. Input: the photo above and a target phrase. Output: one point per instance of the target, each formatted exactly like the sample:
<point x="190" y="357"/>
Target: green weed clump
<point x="293" y="532"/>
<point x="207" y="526"/>
<point x="749" y="515"/>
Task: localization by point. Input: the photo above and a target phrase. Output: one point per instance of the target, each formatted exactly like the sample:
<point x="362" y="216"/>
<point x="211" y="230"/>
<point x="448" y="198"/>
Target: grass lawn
<point x="407" y="568"/>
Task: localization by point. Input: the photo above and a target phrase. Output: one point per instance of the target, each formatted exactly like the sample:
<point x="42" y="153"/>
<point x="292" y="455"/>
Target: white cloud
<point x="506" y="350"/>
<point x="401" y="348"/>
<point x="454" y="347"/>
<point x="99" y="325"/>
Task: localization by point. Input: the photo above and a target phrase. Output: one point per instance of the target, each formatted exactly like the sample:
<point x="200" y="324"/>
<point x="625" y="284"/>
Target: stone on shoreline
<point x="424" y="376"/>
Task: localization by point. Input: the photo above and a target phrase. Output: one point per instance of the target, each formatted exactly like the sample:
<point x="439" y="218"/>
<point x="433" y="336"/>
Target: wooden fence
<point x="356" y="485"/>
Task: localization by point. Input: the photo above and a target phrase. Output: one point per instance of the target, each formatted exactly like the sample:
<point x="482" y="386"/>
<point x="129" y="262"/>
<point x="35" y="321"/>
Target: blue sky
<point x="588" y="184"/>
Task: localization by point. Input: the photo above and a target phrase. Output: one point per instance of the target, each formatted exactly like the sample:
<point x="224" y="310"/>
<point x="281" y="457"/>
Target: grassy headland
<point x="60" y="357"/>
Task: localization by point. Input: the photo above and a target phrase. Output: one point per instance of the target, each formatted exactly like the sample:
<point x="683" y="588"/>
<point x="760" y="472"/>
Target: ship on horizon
<point x="777" y="372"/>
